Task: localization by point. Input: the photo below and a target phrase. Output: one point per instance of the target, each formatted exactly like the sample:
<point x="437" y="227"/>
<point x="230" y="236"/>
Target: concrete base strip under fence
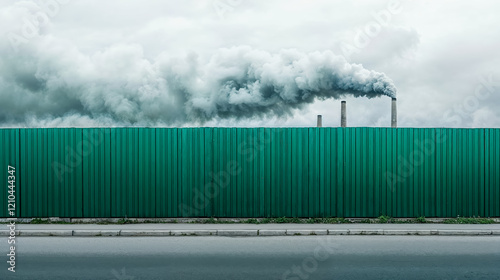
<point x="198" y="220"/>
<point x="252" y="232"/>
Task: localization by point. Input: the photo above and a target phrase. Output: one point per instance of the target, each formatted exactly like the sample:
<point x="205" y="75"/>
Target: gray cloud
<point x="120" y="84"/>
<point x="179" y="64"/>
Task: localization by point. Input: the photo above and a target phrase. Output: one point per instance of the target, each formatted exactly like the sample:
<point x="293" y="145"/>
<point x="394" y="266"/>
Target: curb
<point x="272" y="232"/>
<point x="193" y="232"/>
<point x="366" y="232"/>
<point x="409" y="232"/>
<point x="241" y="232"/>
<point x="307" y="232"/>
<point x="45" y="233"/>
<point x="144" y="233"/>
<point x="464" y="232"/>
<point x="254" y="232"/>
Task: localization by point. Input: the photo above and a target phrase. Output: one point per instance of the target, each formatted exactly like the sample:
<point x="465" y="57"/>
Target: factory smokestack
<point x="343" y="114"/>
<point x="320" y="121"/>
<point x="394" y="113"/>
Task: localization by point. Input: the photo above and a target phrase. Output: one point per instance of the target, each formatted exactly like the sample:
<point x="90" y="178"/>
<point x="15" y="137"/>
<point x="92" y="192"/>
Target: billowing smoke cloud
<point x="243" y="82"/>
<point x="50" y="82"/>
<point x="121" y="85"/>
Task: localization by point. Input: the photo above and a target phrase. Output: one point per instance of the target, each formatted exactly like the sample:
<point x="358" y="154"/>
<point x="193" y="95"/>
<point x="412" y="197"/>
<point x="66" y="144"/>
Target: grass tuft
<point x="421" y="220"/>
<point x="462" y="220"/>
<point x="385" y="220"/>
<point x="39" y="221"/>
<point x="251" y="221"/>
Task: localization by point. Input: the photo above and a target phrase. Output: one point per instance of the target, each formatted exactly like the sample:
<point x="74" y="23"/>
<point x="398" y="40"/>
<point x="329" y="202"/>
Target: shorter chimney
<point x="343" y="114"/>
<point x="394" y="113"/>
<point x="320" y="121"/>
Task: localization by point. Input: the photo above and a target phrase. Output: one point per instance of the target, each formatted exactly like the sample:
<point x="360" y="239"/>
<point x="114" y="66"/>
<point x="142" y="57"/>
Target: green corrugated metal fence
<point x="252" y="172"/>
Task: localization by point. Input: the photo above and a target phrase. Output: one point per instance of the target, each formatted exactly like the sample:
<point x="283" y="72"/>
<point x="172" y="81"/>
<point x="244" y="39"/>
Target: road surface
<point x="292" y="257"/>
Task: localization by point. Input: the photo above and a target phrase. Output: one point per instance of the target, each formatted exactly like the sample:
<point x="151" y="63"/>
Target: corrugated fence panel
<point x="9" y="156"/>
<point x="118" y="174"/>
<point x="51" y="172"/>
<point x="96" y="160"/>
<point x="492" y="174"/>
<point x="252" y="172"/>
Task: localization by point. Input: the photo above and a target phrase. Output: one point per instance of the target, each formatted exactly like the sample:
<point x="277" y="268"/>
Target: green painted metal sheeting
<point x="252" y="172"/>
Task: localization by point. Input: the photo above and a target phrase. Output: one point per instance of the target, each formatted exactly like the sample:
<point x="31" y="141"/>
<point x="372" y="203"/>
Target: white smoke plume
<point x="119" y="84"/>
<point x="49" y="82"/>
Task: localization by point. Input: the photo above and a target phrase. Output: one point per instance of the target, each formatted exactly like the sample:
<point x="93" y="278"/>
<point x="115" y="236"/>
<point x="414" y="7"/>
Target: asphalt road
<point x="295" y="257"/>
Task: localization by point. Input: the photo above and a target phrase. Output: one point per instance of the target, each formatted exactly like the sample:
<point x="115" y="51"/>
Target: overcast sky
<point x="248" y="63"/>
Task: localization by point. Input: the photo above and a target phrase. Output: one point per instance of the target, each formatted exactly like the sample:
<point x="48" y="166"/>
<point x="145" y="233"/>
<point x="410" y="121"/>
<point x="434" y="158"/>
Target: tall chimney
<point x="343" y="117"/>
<point x="394" y="113"/>
<point x="320" y="121"/>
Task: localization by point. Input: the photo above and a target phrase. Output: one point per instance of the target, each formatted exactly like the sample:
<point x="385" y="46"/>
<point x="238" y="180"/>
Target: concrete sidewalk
<point x="249" y="229"/>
